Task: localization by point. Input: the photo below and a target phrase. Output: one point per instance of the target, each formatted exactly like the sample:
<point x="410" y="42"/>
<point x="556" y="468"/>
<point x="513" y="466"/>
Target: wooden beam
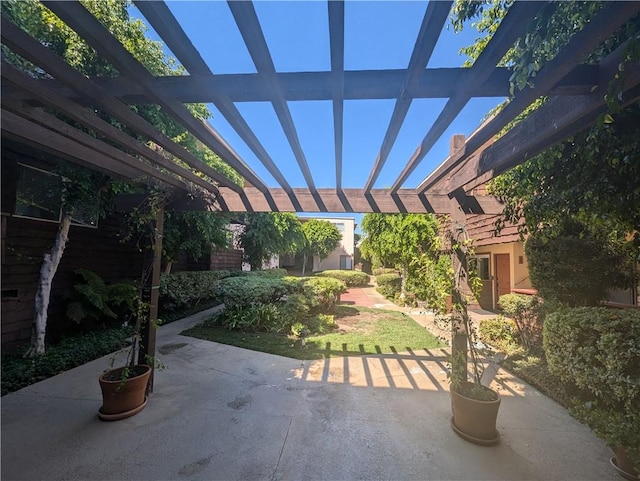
<point x="128" y="163"/>
<point x="336" y="43"/>
<point x="24" y="130"/>
<point x="558" y="119"/>
<point x="45" y="96"/>
<point x="296" y="86"/>
<point x="512" y="26"/>
<point x="599" y="28"/>
<point x="434" y="18"/>
<point x="251" y="31"/>
<point x="32" y="50"/>
<point x="354" y="200"/>
<point x="165" y="24"/>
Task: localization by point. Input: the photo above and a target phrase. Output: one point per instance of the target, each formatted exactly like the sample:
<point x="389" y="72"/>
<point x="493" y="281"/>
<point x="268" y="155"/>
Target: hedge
<point x="276" y="272"/>
<point x="384" y="270"/>
<point x="389" y="285"/>
<point x="350" y="278"/>
<point x="183" y="289"/>
<point x="244" y="291"/>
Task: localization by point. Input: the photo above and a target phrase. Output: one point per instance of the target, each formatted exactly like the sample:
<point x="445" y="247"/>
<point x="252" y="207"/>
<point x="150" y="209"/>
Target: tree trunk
<point x="304" y="263"/>
<point x="43" y="294"/>
<point x="167" y="268"/>
<point x="403" y="282"/>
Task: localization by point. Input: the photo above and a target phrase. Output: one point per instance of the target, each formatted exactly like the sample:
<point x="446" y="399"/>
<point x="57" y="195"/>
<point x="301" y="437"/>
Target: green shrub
<point x="322" y="293"/>
<point x="528" y="314"/>
<point x="70" y="352"/>
<point x="389" y="285"/>
<point x="252" y="318"/>
<point x="246" y="291"/>
<point x="499" y="332"/>
<point x="182" y="289"/>
<point x="598" y="349"/>
<point x="96" y="300"/>
<point x="384" y="270"/>
<point x="350" y="278"/>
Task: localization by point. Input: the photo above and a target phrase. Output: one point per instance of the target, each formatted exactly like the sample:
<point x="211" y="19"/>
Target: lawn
<point x="360" y="331"/>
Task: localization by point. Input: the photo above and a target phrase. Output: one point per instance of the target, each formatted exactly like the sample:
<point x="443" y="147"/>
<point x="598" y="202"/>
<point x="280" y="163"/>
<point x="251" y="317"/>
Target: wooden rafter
<point x="39" y="91"/>
<point x="595" y="32"/>
<point x="165" y="24"/>
<point x="511" y="27"/>
<point x="336" y="43"/>
<point x="41" y="56"/>
<point x="251" y="31"/>
<point x="432" y="23"/>
<point x="76" y="16"/>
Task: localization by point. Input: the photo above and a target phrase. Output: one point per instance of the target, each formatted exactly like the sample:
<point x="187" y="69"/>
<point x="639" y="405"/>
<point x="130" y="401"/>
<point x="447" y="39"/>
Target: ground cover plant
<point x="359" y="331"/>
<point x="72" y="351"/>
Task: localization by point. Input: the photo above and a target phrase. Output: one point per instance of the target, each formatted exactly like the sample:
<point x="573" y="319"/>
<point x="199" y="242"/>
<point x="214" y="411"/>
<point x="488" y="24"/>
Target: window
<point x="340" y="226"/>
<point x="39" y="196"/>
<point x="481" y="264"/>
<point x="345" y="262"/>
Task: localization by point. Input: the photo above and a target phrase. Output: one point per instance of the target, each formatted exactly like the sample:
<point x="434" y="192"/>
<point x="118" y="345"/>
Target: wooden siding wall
<point x="226" y="259"/>
<point x="481" y="228"/>
<point x="25" y="241"/>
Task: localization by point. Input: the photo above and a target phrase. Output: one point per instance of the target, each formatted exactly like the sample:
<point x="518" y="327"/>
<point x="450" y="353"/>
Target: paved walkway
<point x="221" y="412"/>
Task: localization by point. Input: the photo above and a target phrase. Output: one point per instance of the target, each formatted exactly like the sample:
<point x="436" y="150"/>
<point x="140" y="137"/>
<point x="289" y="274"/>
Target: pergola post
<point x="148" y="344"/>
<point x="459" y="334"/>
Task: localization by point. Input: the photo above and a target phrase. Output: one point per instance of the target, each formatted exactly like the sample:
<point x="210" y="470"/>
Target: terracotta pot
<point x="121" y="399"/>
<point x="472" y="419"/>
<point x="624" y="465"/>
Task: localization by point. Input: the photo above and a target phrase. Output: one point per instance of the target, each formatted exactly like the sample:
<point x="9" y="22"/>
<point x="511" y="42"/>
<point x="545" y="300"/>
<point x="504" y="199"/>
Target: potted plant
<point x="124" y="389"/>
<point x="597" y="350"/>
<point x="446" y="286"/>
<point x="474" y="406"/>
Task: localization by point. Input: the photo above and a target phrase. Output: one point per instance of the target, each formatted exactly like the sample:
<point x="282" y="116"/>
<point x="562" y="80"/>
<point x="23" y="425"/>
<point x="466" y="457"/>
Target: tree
<point x="399" y="239"/>
<point x="80" y="184"/>
<point x="266" y="234"/>
<point x="193" y="233"/>
<point x="321" y="237"/>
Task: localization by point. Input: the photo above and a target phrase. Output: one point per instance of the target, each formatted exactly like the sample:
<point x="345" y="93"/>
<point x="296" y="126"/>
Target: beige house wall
<point x="518" y="271"/>
<point x="345" y="248"/>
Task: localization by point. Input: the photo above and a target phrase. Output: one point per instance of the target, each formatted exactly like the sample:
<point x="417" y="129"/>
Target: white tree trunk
<point x="304" y="263"/>
<point x="43" y="294"/>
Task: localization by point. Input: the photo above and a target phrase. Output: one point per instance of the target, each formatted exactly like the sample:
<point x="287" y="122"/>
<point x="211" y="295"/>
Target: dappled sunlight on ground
<point x="424" y="370"/>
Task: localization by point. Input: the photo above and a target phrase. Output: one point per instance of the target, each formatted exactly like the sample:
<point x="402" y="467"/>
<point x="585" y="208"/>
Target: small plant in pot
<point x="598" y="350"/>
<point x="124" y="388"/>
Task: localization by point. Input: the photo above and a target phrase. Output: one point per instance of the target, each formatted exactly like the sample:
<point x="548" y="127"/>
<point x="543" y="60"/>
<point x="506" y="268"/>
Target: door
<point x="503" y="275"/>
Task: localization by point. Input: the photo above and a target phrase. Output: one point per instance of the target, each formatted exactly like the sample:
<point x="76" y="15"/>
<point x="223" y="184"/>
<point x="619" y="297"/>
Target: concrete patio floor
<point x="221" y="412"/>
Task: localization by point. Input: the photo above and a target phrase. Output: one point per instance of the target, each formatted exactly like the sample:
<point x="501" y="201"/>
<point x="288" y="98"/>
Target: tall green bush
<point x="578" y="267"/>
<point x="598" y="349"/>
<point x="350" y="278"/>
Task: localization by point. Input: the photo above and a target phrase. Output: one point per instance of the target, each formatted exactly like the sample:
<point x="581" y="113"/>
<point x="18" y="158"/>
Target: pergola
<point x="576" y="93"/>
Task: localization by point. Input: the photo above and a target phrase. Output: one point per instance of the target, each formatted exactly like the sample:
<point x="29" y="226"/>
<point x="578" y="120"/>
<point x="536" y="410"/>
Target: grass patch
<point x="360" y="331"/>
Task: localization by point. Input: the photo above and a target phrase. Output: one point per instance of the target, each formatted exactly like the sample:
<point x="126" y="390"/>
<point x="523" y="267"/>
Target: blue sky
<point x="378" y="35"/>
